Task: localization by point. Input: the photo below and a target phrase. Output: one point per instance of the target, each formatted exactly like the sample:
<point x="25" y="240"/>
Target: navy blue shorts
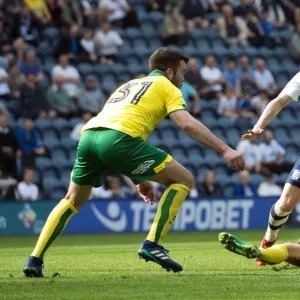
<point x="294" y="177"/>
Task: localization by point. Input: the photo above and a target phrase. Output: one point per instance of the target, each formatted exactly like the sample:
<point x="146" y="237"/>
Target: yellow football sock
<point x="167" y="210"/>
<point x="275" y="254"/>
<point x="55" y="224"/>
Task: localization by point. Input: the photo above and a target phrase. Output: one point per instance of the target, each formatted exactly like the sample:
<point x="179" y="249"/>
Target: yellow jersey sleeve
<point x="174" y="100"/>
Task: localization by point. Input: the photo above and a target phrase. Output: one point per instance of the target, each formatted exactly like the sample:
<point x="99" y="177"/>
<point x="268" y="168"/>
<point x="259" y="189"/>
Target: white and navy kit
<point x="292" y="89"/>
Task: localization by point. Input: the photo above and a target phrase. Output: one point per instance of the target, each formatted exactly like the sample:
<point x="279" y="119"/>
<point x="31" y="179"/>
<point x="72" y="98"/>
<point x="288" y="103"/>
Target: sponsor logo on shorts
<point x="143" y="167"/>
<point x="295" y="175"/>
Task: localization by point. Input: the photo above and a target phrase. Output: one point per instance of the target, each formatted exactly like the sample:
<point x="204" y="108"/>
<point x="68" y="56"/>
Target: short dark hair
<point x="164" y="58"/>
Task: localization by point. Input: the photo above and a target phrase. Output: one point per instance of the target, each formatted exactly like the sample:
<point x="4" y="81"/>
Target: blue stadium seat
<point x="74" y="121"/>
<point x="59" y="152"/>
<point x="140" y="43"/>
<point x="43" y="124"/>
<point x="157" y="17"/>
<point x="57" y="193"/>
<point x="51" y="35"/>
<point x="72" y="155"/>
<point x="133" y="33"/>
<point x="3" y="63"/>
<point x="222" y="178"/>
<point x="65" y="133"/>
<point x="51" y="142"/>
<point x="154" y="140"/>
<point x="228" y="190"/>
<point x="70" y="143"/>
<point x="85" y="68"/>
<point x="256" y="179"/>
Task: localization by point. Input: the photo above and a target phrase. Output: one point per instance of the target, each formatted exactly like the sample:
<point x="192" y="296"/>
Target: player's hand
<point x="256" y="131"/>
<point x="147" y="192"/>
<point x="234" y="159"/>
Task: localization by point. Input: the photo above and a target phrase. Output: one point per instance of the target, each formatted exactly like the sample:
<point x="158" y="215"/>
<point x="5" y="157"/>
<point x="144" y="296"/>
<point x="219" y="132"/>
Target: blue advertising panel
<point x="117" y="216"/>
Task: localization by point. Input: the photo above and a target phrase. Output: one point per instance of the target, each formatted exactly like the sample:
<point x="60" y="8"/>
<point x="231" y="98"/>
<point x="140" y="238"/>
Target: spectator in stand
<point x="27" y="190"/>
<point x="69" y="75"/>
<point x="269" y="30"/>
<point x="15" y="80"/>
<point x="191" y="97"/>
<point x="244" y="106"/>
<point x="246" y="75"/>
<point x="75" y="134"/>
<point x="252" y="154"/>
<point x="244" y="188"/>
<point x="31" y="65"/>
<point x="160" y="5"/>
<point x="232" y="77"/>
<point x="12" y="10"/>
<point x="259" y="102"/>
<point x="91" y="98"/>
<point x="19" y="48"/>
<point x="256" y="34"/>
<point x="174" y="31"/>
<point x="227" y="104"/>
<point x="294" y="44"/>
<point x="4" y="87"/>
<point x="5" y="36"/>
<point x="70" y="44"/>
<point x="213" y="78"/>
<point x="29" y="143"/>
<point x="88" y="46"/>
<point x="40" y="9"/>
<point x="232" y="29"/>
<point x="272" y="155"/>
<point x="119" y="13"/>
<point x="59" y="100"/>
<point x="28" y="26"/>
<point x="107" y="42"/>
<point x="209" y="187"/>
<point x="292" y="7"/>
<point x="101" y="193"/>
<point x="193" y="77"/>
<point x="55" y="12"/>
<point x="90" y="13"/>
<point x="264" y="79"/>
<point x="70" y="12"/>
<point x="268" y="188"/>
<point x="276" y="15"/>
<point x="32" y="98"/>
<point x="194" y="12"/>
<point x="8" y="148"/>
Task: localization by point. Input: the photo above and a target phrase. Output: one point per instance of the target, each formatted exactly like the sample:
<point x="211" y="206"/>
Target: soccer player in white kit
<point x="290" y="195"/>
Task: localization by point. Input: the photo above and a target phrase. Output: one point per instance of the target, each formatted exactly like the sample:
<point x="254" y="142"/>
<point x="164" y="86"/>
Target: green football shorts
<point x="101" y="150"/>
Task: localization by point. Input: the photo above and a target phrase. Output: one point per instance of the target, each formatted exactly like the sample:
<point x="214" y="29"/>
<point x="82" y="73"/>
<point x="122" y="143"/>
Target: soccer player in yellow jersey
<point x="275" y="254"/>
<point x="115" y="140"/>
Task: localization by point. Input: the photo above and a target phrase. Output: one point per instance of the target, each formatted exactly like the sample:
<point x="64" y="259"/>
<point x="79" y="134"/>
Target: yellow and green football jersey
<point x="138" y="106"/>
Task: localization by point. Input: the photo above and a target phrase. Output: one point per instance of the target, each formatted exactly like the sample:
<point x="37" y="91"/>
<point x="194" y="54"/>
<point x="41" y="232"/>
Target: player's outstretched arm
<point x="204" y="136"/>
<point x="269" y="113"/>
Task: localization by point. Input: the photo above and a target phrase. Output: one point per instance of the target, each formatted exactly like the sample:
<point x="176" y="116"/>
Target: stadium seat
<point x="59" y="152"/>
<point x="70" y="143"/>
<point x="57" y="193"/>
<point x="256" y="179"/>
<point x="228" y="190"/>
<point x="3" y="63"/>
<point x="51" y="142"/>
<point x="157" y="17"/>
<point x="74" y="121"/>
<point x="43" y="124"/>
<point x="72" y="155"/>
<point x="64" y="133"/>
<point x="85" y="68"/>
<point x="154" y="140"/>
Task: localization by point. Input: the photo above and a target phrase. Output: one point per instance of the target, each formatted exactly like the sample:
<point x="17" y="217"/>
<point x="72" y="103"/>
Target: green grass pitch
<point x="107" y="267"/>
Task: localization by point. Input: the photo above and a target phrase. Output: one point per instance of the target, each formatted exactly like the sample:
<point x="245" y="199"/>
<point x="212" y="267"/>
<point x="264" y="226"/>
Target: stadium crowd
<point x="60" y="60"/>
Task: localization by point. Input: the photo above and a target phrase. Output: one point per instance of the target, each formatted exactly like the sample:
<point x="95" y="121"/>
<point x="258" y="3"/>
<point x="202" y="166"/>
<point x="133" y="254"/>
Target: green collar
<point x="157" y="73"/>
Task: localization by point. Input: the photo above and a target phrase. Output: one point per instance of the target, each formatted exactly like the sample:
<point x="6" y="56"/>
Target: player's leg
<point x="272" y="255"/>
<point x="85" y="174"/>
<point x="179" y="181"/>
<point x="281" y="210"/>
